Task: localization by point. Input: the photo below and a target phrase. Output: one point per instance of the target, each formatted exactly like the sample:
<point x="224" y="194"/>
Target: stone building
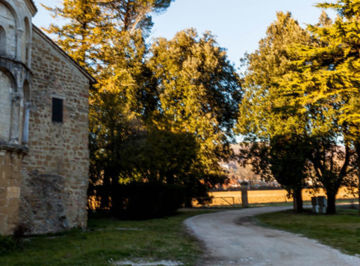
<point x="44" y="153"/>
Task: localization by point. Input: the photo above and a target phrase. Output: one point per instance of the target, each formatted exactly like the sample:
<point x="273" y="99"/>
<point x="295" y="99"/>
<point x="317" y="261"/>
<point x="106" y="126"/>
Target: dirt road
<point x="232" y="239"/>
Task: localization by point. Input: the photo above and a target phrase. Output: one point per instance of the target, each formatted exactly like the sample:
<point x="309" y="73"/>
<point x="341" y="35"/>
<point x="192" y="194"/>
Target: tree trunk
<point x="298" y="201"/>
<point x="331" y="207"/>
<point x="357" y="150"/>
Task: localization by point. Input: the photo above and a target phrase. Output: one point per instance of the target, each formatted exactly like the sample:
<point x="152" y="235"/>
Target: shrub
<point x="146" y="200"/>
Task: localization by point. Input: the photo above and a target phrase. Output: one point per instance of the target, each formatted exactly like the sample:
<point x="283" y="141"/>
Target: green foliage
<point x="152" y="131"/>
<point x="325" y="78"/>
<point x="199" y="92"/>
<point x="97" y="35"/>
<point x="164" y="115"/>
<point x="271" y="124"/>
<point x="158" y="156"/>
<point x="80" y="37"/>
<point x="305" y="83"/>
<point x="288" y="163"/>
<point x="266" y="110"/>
<point x="288" y="158"/>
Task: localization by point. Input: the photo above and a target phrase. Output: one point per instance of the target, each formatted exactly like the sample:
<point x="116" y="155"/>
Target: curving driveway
<point x="231" y="239"/>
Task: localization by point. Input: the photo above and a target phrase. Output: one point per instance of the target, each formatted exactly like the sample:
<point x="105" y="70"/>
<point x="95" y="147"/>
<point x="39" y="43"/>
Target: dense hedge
<point x="146" y="200"/>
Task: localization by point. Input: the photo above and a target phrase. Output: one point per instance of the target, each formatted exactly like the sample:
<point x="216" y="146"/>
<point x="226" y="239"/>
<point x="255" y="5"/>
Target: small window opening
<point x="57" y="110"/>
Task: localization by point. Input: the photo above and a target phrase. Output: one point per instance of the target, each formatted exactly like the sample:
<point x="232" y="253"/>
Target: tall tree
<point x="180" y="90"/>
<point x="107" y="37"/>
<point x="130" y="15"/>
<point x="267" y="118"/>
<point x="199" y="92"/>
<point x="123" y="54"/>
<point x="327" y="81"/>
<point x="80" y="36"/>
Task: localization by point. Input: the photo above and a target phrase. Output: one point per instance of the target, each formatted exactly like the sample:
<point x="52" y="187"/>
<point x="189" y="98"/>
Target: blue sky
<point x="237" y="24"/>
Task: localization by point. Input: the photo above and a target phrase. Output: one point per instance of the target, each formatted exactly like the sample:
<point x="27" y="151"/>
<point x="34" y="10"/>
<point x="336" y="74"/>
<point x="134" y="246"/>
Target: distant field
<point x="269" y="196"/>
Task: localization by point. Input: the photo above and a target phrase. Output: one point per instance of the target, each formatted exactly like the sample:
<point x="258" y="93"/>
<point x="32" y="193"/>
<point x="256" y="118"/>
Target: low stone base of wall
<point x="10" y="190"/>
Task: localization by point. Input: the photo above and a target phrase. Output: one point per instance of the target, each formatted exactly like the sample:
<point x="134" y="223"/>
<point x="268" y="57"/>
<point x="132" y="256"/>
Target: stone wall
<point x="55" y="171"/>
<point x="43" y="165"/>
<point x="15" y="37"/>
<point x="15" y="21"/>
<point x="10" y="182"/>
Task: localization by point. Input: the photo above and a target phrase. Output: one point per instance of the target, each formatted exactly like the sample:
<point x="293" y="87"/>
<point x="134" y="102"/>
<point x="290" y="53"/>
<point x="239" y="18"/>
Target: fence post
<point x="244" y="195"/>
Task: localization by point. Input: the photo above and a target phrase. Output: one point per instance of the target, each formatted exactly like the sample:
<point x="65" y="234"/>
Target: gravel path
<point x="231" y="239"/>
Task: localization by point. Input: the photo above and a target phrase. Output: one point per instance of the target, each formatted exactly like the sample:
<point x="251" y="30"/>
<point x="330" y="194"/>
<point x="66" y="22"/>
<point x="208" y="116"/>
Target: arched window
<point x="2" y="41"/>
<point x="9" y="25"/>
<point x="6" y="87"/>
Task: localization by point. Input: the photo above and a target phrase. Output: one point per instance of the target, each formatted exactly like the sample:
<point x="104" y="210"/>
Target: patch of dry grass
<point x="228" y="198"/>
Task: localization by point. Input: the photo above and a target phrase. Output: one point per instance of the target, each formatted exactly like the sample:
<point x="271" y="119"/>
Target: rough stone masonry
<point x="44" y="156"/>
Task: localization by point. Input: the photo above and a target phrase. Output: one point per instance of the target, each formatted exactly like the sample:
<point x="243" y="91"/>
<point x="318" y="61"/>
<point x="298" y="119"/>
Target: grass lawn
<point x="341" y="231"/>
<point x="108" y="240"/>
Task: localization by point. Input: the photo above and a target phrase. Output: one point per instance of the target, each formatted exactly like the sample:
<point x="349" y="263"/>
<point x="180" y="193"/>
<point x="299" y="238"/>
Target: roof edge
<point x="57" y="47"/>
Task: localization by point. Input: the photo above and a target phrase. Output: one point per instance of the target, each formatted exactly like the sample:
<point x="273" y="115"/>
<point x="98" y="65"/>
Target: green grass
<point x="108" y="240"/>
<point x="341" y="231"/>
